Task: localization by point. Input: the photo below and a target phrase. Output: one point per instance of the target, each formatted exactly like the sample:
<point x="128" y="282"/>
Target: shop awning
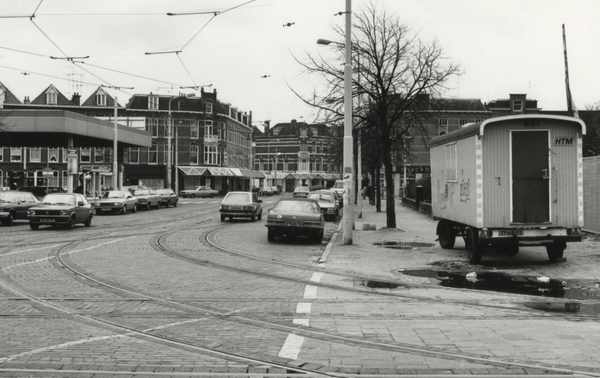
<point x="192" y="171"/>
<point x="246" y="173"/>
<point x="317" y="176"/>
<point x="236" y="172"/>
<point x="258" y="175"/>
<point x="220" y="171"/>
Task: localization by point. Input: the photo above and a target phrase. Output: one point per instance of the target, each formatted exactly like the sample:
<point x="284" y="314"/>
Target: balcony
<point x="211" y="139"/>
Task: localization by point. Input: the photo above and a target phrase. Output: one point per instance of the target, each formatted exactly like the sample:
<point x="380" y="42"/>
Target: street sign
<point x="47" y="172"/>
<point x="95" y="168"/>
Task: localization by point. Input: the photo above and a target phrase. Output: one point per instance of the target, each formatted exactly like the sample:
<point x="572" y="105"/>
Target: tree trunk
<point x="378" y="189"/>
<point x="390" y="201"/>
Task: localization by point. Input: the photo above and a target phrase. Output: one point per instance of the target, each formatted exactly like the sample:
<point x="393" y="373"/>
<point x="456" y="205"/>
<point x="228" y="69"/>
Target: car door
<point x="256" y="203"/>
<point x="31" y="202"/>
<point x="21" y="206"/>
<point x="81" y="212"/>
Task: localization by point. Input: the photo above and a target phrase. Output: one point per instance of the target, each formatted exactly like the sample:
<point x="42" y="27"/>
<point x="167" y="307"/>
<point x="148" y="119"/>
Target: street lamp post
<point x="171" y="127"/>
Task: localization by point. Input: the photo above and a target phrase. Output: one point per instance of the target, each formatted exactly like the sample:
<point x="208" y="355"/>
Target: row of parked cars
<point x="67" y="209"/>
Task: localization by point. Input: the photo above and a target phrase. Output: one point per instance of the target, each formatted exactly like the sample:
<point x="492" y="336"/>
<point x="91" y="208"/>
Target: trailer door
<point x="530" y="176"/>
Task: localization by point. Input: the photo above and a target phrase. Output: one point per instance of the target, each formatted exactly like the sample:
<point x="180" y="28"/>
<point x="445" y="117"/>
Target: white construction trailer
<point x="508" y="182"/>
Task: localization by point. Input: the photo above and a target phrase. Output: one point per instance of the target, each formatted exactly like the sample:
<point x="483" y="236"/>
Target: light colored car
<point x="327" y="202"/>
<point x="241" y="205"/>
<point x="200" y="191"/>
<point x="168" y="197"/>
<point x="146" y="198"/>
<point x="338" y="187"/>
<point x="275" y="190"/>
<point x="14" y="205"/>
<point x="266" y="191"/>
<point x="120" y="201"/>
<point x="301" y="192"/>
<point x="295" y="217"/>
<point x="66" y="209"/>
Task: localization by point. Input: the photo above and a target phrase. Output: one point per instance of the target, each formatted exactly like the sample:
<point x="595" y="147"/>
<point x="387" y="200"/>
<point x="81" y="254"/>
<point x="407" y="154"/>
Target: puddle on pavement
<point x="516" y="284"/>
<point x="380" y="285"/>
<point x="403" y="245"/>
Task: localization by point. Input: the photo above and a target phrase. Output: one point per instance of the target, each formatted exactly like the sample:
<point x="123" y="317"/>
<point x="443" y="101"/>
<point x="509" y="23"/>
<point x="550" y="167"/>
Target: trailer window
<point x="451" y="162"/>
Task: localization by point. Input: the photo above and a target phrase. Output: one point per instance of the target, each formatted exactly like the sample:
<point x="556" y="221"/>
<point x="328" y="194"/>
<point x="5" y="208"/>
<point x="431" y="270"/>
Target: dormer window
<point x="209" y="108"/>
<point x="51" y="98"/>
<point x="152" y="102"/>
<point x="101" y="99"/>
<point x="517" y="105"/>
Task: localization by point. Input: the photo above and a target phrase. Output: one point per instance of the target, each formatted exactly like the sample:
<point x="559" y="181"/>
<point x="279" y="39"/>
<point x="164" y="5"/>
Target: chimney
<point x="26" y="101"/>
<point x="293" y="122"/>
<point x="76" y="99"/>
<point x="267" y="127"/>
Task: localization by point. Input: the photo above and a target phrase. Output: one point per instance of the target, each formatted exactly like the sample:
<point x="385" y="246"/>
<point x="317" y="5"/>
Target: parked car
<point x="40" y="191"/>
<point x="14" y="205"/>
<point x="338" y="187"/>
<point x="301" y="192"/>
<point x="168" y="197"/>
<point x="200" y="191"/>
<point x="67" y="209"/>
<point x="266" y="191"/>
<point x="275" y="190"/>
<point x="295" y="216"/>
<point x="146" y="198"/>
<point x="327" y="202"/>
<point x="255" y="189"/>
<point x="241" y="205"/>
<point x="120" y="201"/>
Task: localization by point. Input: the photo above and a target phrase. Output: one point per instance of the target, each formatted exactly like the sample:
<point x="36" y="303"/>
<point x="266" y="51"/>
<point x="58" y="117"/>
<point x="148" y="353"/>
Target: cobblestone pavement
<point x="254" y="306"/>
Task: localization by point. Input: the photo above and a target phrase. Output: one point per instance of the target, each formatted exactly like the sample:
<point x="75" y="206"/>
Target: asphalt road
<point x="177" y="292"/>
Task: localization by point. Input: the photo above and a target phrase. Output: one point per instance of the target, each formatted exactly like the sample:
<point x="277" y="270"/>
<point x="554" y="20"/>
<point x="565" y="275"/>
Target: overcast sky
<point x="503" y="47"/>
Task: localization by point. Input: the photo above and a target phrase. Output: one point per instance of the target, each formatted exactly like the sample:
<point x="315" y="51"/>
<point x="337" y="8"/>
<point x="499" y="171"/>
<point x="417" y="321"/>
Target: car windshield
<point x="339" y="185"/>
<point x="237" y="198"/>
<point x="321" y="197"/>
<point x="8" y="197"/>
<point x="59" y="199"/>
<point x="115" y="194"/>
<point x="141" y="192"/>
<point x="301" y="206"/>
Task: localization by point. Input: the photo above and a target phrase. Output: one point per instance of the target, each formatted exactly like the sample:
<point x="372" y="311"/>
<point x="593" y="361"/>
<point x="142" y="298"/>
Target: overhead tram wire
<point x="185" y="68"/>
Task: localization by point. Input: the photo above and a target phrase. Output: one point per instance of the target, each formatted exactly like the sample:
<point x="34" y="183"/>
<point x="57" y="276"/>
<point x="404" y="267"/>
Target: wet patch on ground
<point x="380" y="285"/>
<point x="584" y="293"/>
<point x="403" y="245"/>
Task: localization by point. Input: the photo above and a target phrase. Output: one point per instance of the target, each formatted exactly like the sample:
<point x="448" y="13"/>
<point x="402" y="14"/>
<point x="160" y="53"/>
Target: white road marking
<point x="302" y="322"/>
<point x="215" y="202"/>
<point x="303" y="308"/>
<point x="29" y="250"/>
<point x="310" y="292"/>
<point x="316" y="277"/>
<point x="291" y="347"/>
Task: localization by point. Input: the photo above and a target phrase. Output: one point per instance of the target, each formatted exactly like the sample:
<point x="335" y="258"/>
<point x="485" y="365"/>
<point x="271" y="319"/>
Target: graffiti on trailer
<point x="465" y="190"/>
<point x="445" y="196"/>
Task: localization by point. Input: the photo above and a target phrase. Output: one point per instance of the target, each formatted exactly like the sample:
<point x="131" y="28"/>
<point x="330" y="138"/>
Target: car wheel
<point x="123" y="210"/>
<point x="253" y="217"/>
<point x="222" y="218"/>
<point x="192" y="195"/>
<point x="270" y="235"/>
<point x="148" y="206"/>
<point x="212" y="196"/>
<point x="34" y="226"/>
<point x="8" y="220"/>
<point x="71" y="224"/>
<point x="134" y="209"/>
<point x="260" y="215"/>
<point x="175" y="204"/>
<point x="88" y="222"/>
<point x="167" y="206"/>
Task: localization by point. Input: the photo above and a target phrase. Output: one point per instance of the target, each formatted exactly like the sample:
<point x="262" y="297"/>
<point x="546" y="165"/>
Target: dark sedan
<point x="296" y="216"/>
<point x="14" y="205"/>
<point x="66" y="209"/>
<point x="168" y="197"/>
<point x="241" y="205"/>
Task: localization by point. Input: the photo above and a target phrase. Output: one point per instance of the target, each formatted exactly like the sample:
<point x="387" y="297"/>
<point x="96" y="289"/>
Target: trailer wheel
<point x="447" y="235"/>
<point x="511" y="250"/>
<point x="474" y="250"/>
<point x="556" y="250"/>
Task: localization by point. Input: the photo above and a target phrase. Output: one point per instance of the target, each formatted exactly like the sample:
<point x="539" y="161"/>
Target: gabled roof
<point x="92" y="101"/>
<point x="293" y="129"/>
<point x="9" y="97"/>
<point x="466" y="104"/>
<point x="60" y="98"/>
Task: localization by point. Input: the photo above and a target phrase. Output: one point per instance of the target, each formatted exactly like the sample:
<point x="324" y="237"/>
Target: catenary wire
<point x="185" y="68"/>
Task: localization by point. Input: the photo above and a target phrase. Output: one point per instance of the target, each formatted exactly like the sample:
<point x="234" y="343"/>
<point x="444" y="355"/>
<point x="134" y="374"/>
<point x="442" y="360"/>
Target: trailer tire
<point x="447" y="235"/>
<point x="556" y="250"/>
<point x="474" y="250"/>
<point x="511" y="250"/>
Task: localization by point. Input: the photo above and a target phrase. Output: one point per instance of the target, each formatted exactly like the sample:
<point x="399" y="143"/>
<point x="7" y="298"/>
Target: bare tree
<point x="394" y="69"/>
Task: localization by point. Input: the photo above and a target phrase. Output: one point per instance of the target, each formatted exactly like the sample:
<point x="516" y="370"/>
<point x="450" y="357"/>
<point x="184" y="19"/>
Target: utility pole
<point x="115" y="169"/>
<point x="348" y="217"/>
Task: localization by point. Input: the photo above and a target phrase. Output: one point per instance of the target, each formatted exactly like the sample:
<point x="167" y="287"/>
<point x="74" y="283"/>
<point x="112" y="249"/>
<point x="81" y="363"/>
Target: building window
<point x="53" y="181"/>
<point x="209" y="107"/>
<point x="35" y="154"/>
<point x="208" y="128"/>
<point x="152" y="126"/>
<point x="442" y="126"/>
<point x="462" y="121"/>
<point x="478" y="119"/>
<point x="517" y="105"/>
<point x="53" y="155"/>
<point x="51" y="98"/>
<point x="1" y="155"/>
<point x="134" y="155"/>
<point x="101" y="99"/>
<point x="85" y="155"/>
<point x="16" y="154"/>
<point x="211" y="155"/>
<point x="99" y="155"/>
<point x="65" y="155"/>
<point x="194" y="154"/>
<point x="450" y="155"/>
<point x="153" y="154"/>
<point x="152" y="102"/>
<point x="194" y="129"/>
